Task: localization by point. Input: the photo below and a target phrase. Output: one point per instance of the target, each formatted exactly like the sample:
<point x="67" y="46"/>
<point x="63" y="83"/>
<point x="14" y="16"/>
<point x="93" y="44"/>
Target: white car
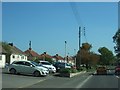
<point x="27" y="67"/>
<point x="48" y="65"/>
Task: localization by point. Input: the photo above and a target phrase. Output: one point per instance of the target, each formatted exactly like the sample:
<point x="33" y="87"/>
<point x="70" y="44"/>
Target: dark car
<point x="61" y="65"/>
<point x="117" y="70"/>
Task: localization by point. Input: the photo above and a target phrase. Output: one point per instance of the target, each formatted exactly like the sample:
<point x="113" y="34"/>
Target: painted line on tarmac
<point x="80" y="86"/>
<point x="32" y="83"/>
<point x="117" y="77"/>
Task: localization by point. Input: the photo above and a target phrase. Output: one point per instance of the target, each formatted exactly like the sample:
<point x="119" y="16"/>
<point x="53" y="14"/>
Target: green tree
<point x="106" y="56"/>
<point x="94" y="58"/>
<point x="116" y="40"/>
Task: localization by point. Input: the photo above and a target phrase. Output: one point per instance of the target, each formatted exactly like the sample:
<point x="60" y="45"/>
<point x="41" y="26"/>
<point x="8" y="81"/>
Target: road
<point x="85" y="80"/>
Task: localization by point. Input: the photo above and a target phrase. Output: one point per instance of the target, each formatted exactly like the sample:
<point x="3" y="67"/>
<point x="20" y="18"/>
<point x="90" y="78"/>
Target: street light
<point x="75" y="56"/>
<point x="65" y="50"/>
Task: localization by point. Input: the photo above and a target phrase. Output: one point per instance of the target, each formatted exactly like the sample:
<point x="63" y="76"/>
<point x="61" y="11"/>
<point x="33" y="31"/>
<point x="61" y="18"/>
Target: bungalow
<point x="2" y="57"/>
<point x="58" y="58"/>
<point x="71" y="60"/>
<point x="17" y="54"/>
<point x="32" y="55"/>
<point x="13" y="53"/>
<point x="45" y="56"/>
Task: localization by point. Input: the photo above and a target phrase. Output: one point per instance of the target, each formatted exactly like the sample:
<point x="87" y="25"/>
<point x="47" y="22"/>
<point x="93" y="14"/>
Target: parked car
<point x="61" y="65"/>
<point x="117" y="70"/>
<point x="101" y="70"/>
<point x="48" y="65"/>
<point x="27" y="67"/>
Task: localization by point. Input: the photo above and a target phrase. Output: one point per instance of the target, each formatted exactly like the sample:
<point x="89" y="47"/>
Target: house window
<point x="0" y="57"/>
<point x="18" y="56"/>
<point x="22" y="57"/>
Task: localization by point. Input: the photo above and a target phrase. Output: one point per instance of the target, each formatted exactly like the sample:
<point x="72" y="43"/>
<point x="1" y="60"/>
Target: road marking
<point x="80" y="86"/>
<point x="32" y="83"/>
<point x="117" y="77"/>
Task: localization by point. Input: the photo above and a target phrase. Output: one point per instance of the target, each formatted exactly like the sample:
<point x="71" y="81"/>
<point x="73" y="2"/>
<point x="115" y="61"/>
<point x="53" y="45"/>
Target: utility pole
<point x="79" y="37"/>
<point x="80" y="44"/>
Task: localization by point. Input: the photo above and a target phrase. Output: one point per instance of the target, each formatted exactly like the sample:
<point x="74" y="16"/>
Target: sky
<point x="49" y="24"/>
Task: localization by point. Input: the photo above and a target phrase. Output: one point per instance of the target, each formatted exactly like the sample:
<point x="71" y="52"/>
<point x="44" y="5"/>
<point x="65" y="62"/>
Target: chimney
<point x="11" y="44"/>
<point x="45" y="53"/>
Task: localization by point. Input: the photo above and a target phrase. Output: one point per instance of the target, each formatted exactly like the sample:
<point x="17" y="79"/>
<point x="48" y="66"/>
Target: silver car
<point x="27" y="67"/>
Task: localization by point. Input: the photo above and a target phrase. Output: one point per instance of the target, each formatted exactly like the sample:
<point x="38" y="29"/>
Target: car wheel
<point x="36" y="73"/>
<point x="12" y="71"/>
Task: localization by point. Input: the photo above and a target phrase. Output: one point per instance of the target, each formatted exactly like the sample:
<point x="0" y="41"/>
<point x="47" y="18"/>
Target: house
<point x="16" y="54"/>
<point x="32" y="55"/>
<point x="45" y="56"/>
<point x="57" y="58"/>
<point x="13" y="53"/>
<point x="71" y="60"/>
<point x="2" y="57"/>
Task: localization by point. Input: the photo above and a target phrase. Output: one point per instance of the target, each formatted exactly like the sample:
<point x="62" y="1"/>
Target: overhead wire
<point x="77" y="16"/>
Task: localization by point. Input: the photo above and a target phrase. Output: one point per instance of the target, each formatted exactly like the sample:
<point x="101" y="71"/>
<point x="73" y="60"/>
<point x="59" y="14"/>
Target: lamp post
<point x="65" y="50"/>
<point x="75" y="56"/>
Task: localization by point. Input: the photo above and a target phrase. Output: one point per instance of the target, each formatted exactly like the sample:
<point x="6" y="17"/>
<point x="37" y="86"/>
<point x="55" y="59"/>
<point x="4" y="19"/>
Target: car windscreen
<point x="36" y="64"/>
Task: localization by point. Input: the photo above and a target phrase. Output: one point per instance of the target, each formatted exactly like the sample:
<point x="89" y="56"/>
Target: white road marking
<point x="117" y="77"/>
<point x="80" y="86"/>
<point x="32" y="83"/>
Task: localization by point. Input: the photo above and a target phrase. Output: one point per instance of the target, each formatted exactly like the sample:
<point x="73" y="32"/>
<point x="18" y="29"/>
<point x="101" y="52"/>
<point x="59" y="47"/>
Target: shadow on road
<point x="28" y="75"/>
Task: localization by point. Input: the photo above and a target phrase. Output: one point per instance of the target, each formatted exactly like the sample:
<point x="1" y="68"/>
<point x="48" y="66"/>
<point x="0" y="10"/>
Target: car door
<point x="28" y="68"/>
<point x="19" y="66"/>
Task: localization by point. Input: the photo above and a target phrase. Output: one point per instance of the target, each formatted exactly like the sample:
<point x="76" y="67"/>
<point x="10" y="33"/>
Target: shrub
<point x="65" y="70"/>
<point x="73" y="70"/>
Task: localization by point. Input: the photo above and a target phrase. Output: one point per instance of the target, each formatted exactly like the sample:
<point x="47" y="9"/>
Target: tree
<point x="106" y="56"/>
<point x="84" y="56"/>
<point x="116" y="40"/>
<point x="94" y="58"/>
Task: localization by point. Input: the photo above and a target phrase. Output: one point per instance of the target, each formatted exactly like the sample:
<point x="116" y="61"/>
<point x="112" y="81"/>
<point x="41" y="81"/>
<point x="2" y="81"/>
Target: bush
<point x="65" y="70"/>
<point x="73" y="70"/>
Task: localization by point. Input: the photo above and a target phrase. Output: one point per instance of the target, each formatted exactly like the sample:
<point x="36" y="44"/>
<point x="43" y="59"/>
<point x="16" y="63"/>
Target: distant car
<point x="117" y="70"/>
<point x="61" y="65"/>
<point x="101" y="70"/>
<point x="48" y="65"/>
<point x="27" y="67"/>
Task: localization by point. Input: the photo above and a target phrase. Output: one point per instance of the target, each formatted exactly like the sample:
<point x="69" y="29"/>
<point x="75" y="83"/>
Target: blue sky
<point x="48" y="25"/>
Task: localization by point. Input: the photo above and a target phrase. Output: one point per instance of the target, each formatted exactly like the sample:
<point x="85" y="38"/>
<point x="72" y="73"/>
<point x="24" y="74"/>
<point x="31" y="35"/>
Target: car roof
<point x="43" y="61"/>
<point x="21" y="61"/>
